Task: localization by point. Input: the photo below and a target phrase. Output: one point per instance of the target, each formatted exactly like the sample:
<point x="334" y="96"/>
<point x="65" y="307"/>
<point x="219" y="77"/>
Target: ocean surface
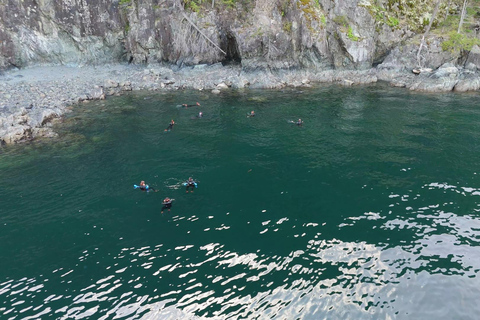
<point x="370" y="210"/>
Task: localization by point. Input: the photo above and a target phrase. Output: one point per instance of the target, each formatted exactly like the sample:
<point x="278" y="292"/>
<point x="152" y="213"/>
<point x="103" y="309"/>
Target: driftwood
<point x="200" y="31"/>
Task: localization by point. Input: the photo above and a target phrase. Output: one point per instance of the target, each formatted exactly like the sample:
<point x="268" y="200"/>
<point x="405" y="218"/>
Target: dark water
<point x="368" y="211"/>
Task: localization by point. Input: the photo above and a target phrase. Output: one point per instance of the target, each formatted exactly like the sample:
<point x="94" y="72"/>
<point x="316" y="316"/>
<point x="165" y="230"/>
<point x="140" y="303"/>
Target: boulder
<point x="470" y="66"/>
<point x="14" y="134"/>
<point x="474" y="57"/>
<point x="432" y="84"/>
<point x="446" y="70"/>
<point x="222" y="86"/>
<point x="111" y="84"/>
<point x="97" y="94"/>
<point x="469" y="83"/>
<point x="346" y="82"/>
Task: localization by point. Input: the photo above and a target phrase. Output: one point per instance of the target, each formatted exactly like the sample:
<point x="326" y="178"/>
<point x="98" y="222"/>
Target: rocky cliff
<point x="217" y="44"/>
<point x="258" y="34"/>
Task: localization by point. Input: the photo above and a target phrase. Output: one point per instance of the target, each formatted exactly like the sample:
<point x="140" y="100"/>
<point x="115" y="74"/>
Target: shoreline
<point x="32" y="98"/>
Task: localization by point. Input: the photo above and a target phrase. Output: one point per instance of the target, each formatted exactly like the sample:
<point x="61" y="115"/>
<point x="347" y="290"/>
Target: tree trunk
<point x="422" y="43"/>
<point x="462" y="16"/>
<point x="446" y="14"/>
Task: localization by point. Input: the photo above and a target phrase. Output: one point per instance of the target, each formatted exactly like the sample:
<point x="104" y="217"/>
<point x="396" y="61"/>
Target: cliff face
<point x="324" y="34"/>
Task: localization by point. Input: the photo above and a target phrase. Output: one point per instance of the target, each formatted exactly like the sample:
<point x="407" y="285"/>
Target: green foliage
<point x="193" y="5"/>
<point x="307" y="7"/>
<point x="124" y="2"/>
<point x="287" y="26"/>
<point x="457" y="42"/>
<point x="392" y="22"/>
<point x="413" y="14"/>
<point x="341" y="20"/>
<point x="229" y="3"/>
<point x="283" y="7"/>
<point x="313" y="12"/>
<point x="346" y="27"/>
<point x="323" y="20"/>
<point x="350" y="34"/>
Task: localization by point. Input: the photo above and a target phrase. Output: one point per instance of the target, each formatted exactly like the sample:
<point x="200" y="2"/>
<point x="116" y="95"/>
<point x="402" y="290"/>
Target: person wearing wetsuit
<point x="200" y="114"/>
<point x="190" y="184"/>
<point x="299" y="122"/>
<point x="145" y="187"/>
<point x="190" y="105"/>
<point x="170" y="126"/>
<point x="251" y="114"/>
<point x="167" y="204"/>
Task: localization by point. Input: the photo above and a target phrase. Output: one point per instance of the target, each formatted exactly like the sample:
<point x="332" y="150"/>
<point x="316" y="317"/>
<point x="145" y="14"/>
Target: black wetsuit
<point x="170" y="126"/>
<point x="299" y="123"/>
<point x="167" y="205"/>
<point x="147" y="188"/>
<point x="190" y="184"/>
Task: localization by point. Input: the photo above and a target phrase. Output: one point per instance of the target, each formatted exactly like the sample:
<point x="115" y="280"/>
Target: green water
<point x="368" y="211"/>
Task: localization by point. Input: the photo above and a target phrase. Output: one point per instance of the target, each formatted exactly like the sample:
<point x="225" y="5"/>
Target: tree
<point x="422" y="43"/>
<point x="462" y="16"/>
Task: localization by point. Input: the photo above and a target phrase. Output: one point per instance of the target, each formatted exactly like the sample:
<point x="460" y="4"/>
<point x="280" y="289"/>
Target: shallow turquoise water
<point x="368" y="211"/>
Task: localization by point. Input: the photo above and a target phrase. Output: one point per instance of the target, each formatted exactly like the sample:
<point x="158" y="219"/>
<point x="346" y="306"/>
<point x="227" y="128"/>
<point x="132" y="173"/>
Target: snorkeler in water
<point x="144" y="187"/>
<point x="190" y="184"/>
<point x="198" y="116"/>
<point x="251" y="114"/>
<point x="167" y="204"/>
<point x="170" y="126"/>
<point x="190" y="105"/>
<point x="298" y="123"/>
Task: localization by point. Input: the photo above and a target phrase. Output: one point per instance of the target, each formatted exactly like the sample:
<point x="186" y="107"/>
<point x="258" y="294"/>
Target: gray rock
<point x="96" y="94"/>
<point x="474" y="57"/>
<point x="111" y="84"/>
<point x="346" y="82"/>
<point x="222" y="86"/>
<point x="433" y="84"/>
<point x="469" y="83"/>
<point x="470" y="66"/>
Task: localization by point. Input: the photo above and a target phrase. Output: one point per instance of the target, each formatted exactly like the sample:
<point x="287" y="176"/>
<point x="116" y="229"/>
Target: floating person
<point x="298" y="123"/>
<point x="190" y="105"/>
<point x="190" y="184"/>
<point x="251" y="114"/>
<point x="167" y="204"/>
<point x="170" y="126"/>
<point x="144" y="187"/>
<point x="198" y="116"/>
